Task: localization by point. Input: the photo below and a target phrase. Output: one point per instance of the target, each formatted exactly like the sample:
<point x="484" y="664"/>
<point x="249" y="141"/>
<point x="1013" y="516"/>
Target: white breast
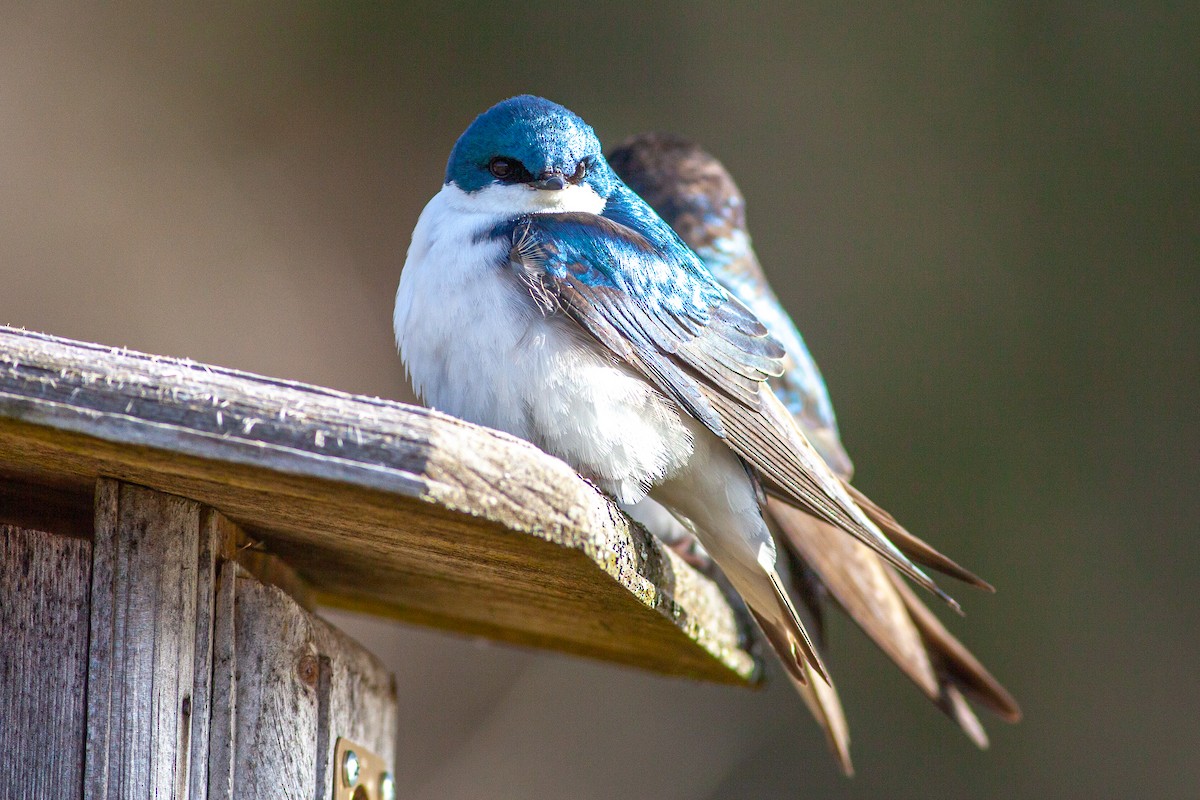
<point x="477" y="347"/>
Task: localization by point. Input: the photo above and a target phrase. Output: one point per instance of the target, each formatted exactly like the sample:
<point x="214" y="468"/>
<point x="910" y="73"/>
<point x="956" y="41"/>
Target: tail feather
<point x="785" y="631"/>
<point x="823" y="494"/>
<point x="826" y="707"/>
<point x="956" y="707"/>
<point x="819" y="695"/>
<point x="857" y="579"/>
<point x="891" y="614"/>
<point x="802" y="644"/>
<point x="783" y="646"/>
<point x="955" y="662"/>
<point x="808" y="590"/>
<point x="911" y="546"/>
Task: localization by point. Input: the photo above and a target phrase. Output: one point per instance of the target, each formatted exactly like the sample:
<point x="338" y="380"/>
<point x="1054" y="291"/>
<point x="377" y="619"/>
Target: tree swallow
<point x="694" y="193"/>
<point x="543" y="297"/>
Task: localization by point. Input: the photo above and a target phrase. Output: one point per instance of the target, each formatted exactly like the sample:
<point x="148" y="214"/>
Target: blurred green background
<point x="984" y="218"/>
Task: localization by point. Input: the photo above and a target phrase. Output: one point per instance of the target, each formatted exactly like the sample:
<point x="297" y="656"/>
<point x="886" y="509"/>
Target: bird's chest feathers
<point x="477" y="346"/>
<point x="469" y="337"/>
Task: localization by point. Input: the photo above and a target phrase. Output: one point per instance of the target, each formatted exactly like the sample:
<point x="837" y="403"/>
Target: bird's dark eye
<point x="502" y="167"/>
<point x="580" y="172"/>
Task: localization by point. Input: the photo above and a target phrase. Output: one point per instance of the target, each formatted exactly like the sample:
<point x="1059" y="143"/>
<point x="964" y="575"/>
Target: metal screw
<point x="350" y="767"/>
<point x="387" y="787"/>
<point x="309" y="669"/>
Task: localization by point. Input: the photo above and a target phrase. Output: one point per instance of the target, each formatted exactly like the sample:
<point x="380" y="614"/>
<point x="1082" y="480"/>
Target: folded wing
<point x="661" y="312"/>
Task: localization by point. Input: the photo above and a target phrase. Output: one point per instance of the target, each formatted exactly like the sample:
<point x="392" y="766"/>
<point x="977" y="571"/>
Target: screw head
<point x="350" y="767"/>
<point x="387" y="787"/>
<point x="309" y="669"/>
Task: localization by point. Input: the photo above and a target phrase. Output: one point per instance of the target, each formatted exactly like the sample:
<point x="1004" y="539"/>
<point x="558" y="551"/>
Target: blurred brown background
<point x="985" y="220"/>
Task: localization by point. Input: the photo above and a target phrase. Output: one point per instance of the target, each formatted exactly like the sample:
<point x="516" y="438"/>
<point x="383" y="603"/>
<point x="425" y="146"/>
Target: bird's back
<point x="697" y="197"/>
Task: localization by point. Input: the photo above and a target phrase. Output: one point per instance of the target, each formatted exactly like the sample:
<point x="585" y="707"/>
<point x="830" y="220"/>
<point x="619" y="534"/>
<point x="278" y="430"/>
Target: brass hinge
<point x="359" y="774"/>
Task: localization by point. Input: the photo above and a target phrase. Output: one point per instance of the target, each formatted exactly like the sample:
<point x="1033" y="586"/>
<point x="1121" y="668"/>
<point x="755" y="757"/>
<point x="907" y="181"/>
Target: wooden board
<point x="287" y="687"/>
<point x="44" y="587"/>
<point x="153" y="575"/>
<point x="380" y="506"/>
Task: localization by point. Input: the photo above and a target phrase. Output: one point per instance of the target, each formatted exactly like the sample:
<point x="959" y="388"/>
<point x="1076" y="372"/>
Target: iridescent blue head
<point x="529" y="141"/>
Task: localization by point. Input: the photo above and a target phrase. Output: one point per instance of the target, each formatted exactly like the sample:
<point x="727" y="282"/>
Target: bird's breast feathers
<point x="478" y="346"/>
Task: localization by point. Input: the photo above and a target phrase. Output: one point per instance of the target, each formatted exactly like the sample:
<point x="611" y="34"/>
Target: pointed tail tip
<point x="1012" y="712"/>
<point x="950" y="601"/>
<point x="965" y="575"/>
<point x="955" y="663"/>
<point x="815" y="664"/>
<point x="958" y="709"/>
<point x="930" y="585"/>
<point x="925" y="555"/>
<point x="953" y="570"/>
<point x="997" y="700"/>
<point x="916" y="549"/>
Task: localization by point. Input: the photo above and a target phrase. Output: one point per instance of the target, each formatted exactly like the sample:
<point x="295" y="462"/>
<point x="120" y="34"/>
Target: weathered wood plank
<point x="218" y="537"/>
<point x="222" y="738"/>
<point x="150" y="645"/>
<point x="378" y="505"/>
<point x="297" y="685"/>
<point x="44" y="588"/>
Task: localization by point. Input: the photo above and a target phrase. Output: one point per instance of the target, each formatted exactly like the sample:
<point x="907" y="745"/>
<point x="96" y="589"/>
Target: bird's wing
<point x="801" y="386"/>
<point x="673" y="324"/>
<point x="694" y="194"/>
<point x="662" y="313"/>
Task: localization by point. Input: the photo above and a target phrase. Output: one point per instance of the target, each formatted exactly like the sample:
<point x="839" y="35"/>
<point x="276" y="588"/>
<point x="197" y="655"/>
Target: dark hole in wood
<point x="185" y="748"/>
<point x="46" y="503"/>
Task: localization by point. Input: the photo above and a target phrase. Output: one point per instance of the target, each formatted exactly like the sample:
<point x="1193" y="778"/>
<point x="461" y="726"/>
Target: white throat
<point x="515" y="201"/>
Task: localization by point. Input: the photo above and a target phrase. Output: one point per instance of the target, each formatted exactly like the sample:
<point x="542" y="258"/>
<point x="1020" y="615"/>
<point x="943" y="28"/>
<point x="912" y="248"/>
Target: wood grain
<point x="149" y="653"/>
<point x="222" y="741"/>
<point x="296" y="685"/>
<point x="377" y="505"/>
<point x="44" y="587"/>
<point x="217" y="540"/>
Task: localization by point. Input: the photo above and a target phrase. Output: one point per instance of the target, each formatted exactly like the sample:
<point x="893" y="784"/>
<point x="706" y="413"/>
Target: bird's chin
<point x="568" y="198"/>
<point x="510" y="201"/>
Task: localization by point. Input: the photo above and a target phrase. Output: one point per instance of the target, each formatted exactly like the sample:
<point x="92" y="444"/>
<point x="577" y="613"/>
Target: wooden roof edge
<point x="86" y="409"/>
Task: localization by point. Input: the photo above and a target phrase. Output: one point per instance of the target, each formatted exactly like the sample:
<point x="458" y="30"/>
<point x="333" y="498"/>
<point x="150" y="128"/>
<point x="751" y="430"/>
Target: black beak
<point x="550" y="180"/>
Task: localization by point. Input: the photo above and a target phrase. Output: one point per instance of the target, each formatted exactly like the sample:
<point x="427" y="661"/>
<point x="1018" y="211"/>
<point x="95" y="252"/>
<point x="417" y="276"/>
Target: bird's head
<point x="532" y="152"/>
